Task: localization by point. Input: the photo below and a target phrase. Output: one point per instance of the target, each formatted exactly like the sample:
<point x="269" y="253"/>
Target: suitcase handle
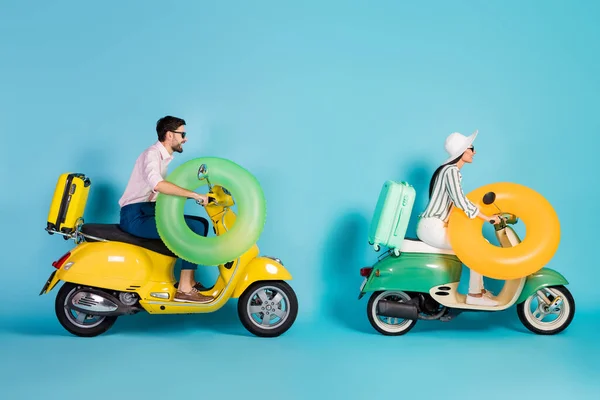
<point x="398" y="223"/>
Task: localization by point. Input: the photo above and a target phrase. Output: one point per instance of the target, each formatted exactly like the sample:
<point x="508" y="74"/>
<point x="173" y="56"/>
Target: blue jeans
<point x="138" y="219"/>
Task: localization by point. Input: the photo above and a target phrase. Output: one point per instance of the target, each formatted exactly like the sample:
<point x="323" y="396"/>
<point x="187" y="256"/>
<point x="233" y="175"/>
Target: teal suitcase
<point x="391" y="216"/>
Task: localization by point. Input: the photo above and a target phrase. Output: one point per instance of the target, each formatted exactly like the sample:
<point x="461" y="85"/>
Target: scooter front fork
<point x="550" y="304"/>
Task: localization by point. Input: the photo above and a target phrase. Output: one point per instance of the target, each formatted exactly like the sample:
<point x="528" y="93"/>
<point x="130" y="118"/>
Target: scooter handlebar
<point x="211" y="199"/>
<point x="507" y="219"/>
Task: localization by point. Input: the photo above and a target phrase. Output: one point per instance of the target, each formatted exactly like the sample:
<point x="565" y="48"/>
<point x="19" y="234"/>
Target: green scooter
<point x="421" y="282"/>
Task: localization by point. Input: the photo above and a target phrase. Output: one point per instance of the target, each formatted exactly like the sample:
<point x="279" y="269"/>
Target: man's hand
<point x="201" y="198"/>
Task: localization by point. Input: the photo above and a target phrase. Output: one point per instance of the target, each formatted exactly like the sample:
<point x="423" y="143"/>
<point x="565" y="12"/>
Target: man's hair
<point x="167" y="123"/>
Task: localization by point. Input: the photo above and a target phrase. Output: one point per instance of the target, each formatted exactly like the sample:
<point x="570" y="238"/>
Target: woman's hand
<point x="496" y="219"/>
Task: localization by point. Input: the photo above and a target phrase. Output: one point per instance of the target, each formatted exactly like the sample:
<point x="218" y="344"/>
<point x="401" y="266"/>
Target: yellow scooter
<point x="112" y="273"/>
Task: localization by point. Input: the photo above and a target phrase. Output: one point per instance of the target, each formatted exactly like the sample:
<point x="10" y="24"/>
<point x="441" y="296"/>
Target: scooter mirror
<point x="202" y="172"/>
<point x="489" y="198"/>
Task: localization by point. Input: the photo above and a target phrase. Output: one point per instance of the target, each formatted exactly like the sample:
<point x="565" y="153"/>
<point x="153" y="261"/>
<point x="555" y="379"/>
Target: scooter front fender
<point x="261" y="269"/>
<point x="541" y="279"/>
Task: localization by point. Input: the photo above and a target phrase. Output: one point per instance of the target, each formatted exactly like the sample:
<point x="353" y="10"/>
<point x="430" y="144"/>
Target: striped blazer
<point x="447" y="192"/>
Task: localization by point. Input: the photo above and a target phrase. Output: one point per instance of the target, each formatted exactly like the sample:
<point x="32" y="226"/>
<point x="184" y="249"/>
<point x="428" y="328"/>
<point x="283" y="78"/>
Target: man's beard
<point x="178" y="149"/>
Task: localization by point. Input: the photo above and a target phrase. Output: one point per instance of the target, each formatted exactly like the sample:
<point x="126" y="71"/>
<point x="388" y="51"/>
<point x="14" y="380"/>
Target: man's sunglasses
<point x="181" y="133"/>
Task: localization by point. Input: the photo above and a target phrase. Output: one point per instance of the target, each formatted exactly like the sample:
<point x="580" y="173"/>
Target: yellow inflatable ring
<point x="534" y="251"/>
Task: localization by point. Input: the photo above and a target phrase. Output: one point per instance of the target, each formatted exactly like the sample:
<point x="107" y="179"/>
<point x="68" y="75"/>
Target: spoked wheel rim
<point x="78" y="318"/>
<point x="544" y="317"/>
<point x="268" y="307"/>
<point x="391" y="324"/>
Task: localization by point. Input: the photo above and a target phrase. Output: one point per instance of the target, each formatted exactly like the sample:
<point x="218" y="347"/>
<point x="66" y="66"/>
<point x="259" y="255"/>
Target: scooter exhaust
<point x="97" y="302"/>
<point x="387" y="308"/>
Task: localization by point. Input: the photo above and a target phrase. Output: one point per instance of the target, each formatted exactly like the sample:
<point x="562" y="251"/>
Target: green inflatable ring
<point x="248" y="226"/>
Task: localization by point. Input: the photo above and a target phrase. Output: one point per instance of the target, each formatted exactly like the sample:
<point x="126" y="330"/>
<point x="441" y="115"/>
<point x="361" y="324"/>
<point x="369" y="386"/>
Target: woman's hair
<point x="437" y="172"/>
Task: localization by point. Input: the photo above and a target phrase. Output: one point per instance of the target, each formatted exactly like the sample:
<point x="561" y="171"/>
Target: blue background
<point x="322" y="102"/>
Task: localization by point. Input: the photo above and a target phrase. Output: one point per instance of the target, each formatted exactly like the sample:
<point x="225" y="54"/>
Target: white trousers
<point x="433" y="231"/>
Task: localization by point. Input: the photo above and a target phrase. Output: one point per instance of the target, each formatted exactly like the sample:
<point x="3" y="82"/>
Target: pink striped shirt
<point x="150" y="168"/>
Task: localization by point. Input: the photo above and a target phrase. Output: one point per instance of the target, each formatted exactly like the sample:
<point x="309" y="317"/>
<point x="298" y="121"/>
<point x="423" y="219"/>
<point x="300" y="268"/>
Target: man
<point x="139" y="199"/>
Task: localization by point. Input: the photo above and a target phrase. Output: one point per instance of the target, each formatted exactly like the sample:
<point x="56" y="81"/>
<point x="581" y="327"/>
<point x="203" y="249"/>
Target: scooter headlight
<point x="275" y="259"/>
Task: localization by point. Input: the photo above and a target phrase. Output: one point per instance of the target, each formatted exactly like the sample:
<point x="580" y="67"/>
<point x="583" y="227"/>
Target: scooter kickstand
<point x="450" y="315"/>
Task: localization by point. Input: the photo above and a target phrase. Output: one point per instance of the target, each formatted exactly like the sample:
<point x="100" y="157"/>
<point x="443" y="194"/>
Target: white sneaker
<point x="481" y="301"/>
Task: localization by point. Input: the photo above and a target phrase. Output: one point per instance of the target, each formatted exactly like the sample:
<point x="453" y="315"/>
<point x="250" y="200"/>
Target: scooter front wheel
<point x="389" y="326"/>
<point x="544" y="319"/>
<point x="268" y="308"/>
<point x="76" y="322"/>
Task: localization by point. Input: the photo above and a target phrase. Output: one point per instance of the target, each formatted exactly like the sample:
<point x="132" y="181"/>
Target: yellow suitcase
<point x="68" y="203"/>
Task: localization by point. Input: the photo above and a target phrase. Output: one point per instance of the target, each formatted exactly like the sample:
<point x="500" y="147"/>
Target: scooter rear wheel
<point x="393" y="326"/>
<point x="268" y="308"/>
<point x="75" y="322"/>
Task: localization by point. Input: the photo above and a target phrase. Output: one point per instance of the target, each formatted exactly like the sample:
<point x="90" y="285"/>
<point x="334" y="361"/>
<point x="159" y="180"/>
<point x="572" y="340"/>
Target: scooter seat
<point x="413" y="245"/>
<point x="113" y="232"/>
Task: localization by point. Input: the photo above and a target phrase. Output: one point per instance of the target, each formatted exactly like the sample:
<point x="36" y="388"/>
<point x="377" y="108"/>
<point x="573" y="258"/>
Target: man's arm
<point x="174" y="190"/>
<point x="158" y="184"/>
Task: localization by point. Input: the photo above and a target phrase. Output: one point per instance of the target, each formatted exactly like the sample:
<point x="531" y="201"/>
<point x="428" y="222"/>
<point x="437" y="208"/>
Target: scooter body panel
<point x="242" y="272"/>
<point x="115" y="265"/>
<point x="123" y="267"/>
<point x="543" y="278"/>
<point x="448" y="295"/>
<point x="413" y="272"/>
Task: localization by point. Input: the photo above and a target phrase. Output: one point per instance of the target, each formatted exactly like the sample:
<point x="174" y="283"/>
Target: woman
<point x="445" y="191"/>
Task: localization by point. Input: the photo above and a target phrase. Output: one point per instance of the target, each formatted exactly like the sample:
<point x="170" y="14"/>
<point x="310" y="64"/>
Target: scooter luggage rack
<point x="385" y="254"/>
<point x="77" y="236"/>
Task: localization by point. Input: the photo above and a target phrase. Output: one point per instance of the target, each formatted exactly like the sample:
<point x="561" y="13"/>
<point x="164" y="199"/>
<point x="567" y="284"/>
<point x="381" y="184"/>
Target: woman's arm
<point x="495" y="219"/>
<point x="453" y="184"/>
